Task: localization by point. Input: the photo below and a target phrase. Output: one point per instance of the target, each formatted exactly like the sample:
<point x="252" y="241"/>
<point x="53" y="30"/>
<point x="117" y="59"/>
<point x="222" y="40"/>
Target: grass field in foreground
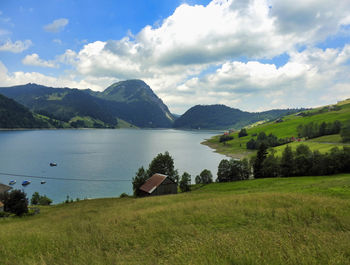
<point x="301" y="220"/>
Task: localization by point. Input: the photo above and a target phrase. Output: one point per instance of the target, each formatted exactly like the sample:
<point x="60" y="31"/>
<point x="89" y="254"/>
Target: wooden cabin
<point x="158" y="184"/>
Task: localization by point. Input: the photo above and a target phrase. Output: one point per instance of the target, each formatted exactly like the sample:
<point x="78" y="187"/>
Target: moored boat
<point x="12" y="182"/>
<point x="26" y="182"/>
<point x="53" y="164"/>
<point x="42" y="182"/>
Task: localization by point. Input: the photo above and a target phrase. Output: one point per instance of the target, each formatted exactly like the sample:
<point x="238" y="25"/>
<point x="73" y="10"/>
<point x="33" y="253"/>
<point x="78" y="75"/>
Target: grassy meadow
<point x="237" y="147"/>
<point x="301" y="220"/>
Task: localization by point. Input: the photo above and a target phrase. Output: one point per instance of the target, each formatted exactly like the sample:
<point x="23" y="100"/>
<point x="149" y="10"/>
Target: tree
<point x="163" y="164"/>
<point x="345" y="132"/>
<point x="206" y="177"/>
<point x="303" y="160"/>
<point x="16" y="202"/>
<point x="251" y="144"/>
<point x="224" y="171"/>
<point x="185" y="182"/>
<point x="139" y="180"/>
<point x="271" y="166"/>
<point x="233" y="170"/>
<point x="198" y="179"/>
<point x="242" y="133"/>
<point x="224" y="138"/>
<point x="37" y="199"/>
<point x="287" y="162"/>
<point x="258" y="162"/>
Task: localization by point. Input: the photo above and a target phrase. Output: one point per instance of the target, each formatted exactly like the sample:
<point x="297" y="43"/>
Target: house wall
<point x="167" y="187"/>
<point x="1" y="208"/>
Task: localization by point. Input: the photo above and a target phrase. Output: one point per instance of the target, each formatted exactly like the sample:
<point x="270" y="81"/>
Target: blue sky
<point x="249" y="54"/>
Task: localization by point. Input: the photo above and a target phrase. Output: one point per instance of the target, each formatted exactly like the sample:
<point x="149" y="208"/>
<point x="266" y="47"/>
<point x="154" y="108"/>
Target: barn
<point x="158" y="184"/>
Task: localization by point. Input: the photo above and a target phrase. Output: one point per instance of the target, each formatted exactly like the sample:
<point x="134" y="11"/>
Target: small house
<point x="1" y="207"/>
<point x="158" y="184"/>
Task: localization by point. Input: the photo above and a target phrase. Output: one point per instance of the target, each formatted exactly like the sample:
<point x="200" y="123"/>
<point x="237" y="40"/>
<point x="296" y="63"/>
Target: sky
<point x="249" y="54"/>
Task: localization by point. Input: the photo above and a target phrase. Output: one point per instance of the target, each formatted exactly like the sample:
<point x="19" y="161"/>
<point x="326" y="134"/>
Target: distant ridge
<point x="223" y="117"/>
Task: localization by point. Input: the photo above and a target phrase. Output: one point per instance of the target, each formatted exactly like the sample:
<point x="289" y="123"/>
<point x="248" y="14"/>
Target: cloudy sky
<point x="249" y="54"/>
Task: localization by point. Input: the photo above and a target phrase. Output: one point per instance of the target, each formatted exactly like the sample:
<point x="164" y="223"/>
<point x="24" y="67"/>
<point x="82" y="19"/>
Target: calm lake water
<point x="97" y="154"/>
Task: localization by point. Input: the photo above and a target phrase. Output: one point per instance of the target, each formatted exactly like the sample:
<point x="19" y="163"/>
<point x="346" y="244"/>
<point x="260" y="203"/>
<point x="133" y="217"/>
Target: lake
<point x="100" y="154"/>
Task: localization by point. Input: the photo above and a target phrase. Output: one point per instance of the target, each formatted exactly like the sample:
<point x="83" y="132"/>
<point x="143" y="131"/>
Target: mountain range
<point x="127" y="103"/>
<point x="131" y="101"/>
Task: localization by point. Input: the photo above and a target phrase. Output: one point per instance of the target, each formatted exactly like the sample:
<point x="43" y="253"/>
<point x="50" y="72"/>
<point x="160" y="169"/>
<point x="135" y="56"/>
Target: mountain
<point x="15" y="115"/>
<point x="223" y="117"/>
<point x="135" y="102"/>
<point x="62" y="104"/>
<point x="132" y="101"/>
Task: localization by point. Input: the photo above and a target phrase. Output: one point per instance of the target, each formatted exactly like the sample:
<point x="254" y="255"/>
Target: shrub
<point x="15" y="202"/>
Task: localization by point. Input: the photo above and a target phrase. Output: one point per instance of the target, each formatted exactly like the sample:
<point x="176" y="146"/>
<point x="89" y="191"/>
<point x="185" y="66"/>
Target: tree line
<point x="270" y="140"/>
<point x="313" y="130"/>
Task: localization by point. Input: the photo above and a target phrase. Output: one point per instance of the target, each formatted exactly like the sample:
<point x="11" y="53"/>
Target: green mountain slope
<point x="223" y="117"/>
<point x="135" y="102"/>
<point x="15" y="115"/>
<point x="287" y="128"/>
<point x="132" y="101"/>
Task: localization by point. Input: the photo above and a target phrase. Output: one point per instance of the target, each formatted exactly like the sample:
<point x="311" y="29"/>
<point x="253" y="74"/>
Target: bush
<point x="37" y="199"/>
<point x="224" y="138"/>
<point x="15" y="202"/>
<point x="242" y="133"/>
<point x="123" y="195"/>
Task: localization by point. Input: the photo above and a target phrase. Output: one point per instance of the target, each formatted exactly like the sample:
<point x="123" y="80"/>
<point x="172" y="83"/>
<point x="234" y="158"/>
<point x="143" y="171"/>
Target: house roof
<point x="1" y="204"/>
<point x="153" y="182"/>
<point x="4" y="188"/>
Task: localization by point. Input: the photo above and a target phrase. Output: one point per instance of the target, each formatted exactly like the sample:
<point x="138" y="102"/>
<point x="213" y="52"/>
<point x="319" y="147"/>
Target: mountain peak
<point x="129" y="90"/>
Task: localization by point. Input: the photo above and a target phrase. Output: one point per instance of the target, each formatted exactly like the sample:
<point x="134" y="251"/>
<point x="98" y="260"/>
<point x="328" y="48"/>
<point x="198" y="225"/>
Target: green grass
<point x="288" y="128"/>
<point x="124" y="124"/>
<point x="302" y="220"/>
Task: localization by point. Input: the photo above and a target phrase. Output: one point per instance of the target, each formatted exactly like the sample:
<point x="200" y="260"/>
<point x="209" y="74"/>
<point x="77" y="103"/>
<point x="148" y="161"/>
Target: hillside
<point x="223" y="117"/>
<point x="131" y="101"/>
<point x="302" y="220"/>
<point x="15" y="115"/>
<point x="135" y="102"/>
<point x="287" y="128"/>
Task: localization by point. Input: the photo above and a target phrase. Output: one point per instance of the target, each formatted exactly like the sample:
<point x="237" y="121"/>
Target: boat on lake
<point x="12" y="182"/>
<point x="26" y="182"/>
<point x="53" y="164"/>
<point x="42" y="182"/>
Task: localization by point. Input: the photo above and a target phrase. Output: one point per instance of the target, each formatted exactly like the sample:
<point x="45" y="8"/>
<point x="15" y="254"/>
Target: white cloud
<point x="57" y="25"/>
<point x="67" y="80"/>
<point x="303" y="81"/>
<point x="173" y="56"/>
<point x="57" y="41"/>
<point x="15" y="47"/>
<point x="33" y="59"/>
<point x="4" y="32"/>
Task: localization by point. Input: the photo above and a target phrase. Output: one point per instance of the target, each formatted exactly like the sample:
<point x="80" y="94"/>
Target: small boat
<point x="42" y="182"/>
<point x="12" y="182"/>
<point x="53" y="164"/>
<point x="26" y="182"/>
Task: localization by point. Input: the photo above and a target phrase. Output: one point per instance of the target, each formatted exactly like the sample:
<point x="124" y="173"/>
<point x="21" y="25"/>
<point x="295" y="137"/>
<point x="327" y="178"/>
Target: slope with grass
<point x="288" y="128"/>
<point x="302" y="220"/>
